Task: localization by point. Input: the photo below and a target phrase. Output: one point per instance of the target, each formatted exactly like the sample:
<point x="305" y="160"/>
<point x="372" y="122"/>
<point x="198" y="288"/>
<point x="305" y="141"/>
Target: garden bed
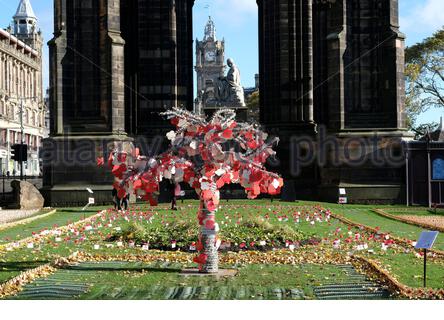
<point x="294" y="235"/>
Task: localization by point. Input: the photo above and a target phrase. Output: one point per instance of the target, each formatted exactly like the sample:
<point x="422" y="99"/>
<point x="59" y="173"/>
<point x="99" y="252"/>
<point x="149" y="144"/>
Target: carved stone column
<point x="286" y="63"/>
<point x="336" y="47"/>
<point x="286" y="83"/>
<point x="365" y="127"/>
<point x="86" y="100"/>
<point x="396" y="63"/>
<point x="159" y="60"/>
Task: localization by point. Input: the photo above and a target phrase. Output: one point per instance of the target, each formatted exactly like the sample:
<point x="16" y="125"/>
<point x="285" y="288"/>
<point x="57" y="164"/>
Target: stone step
<point x="347" y="285"/>
<point x="351" y="296"/>
<point x="58" y="289"/>
<point x="347" y="291"/>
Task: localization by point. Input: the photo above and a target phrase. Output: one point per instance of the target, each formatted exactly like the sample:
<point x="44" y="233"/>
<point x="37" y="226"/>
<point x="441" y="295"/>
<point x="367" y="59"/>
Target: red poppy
<point x="227" y="134"/>
<point x="121" y="157"/>
<point x="211" y="206"/>
<point x="119" y="170"/>
<point x="220" y="183"/>
<point x="201" y="259"/>
<point x="207" y="194"/>
<point x="137" y="184"/>
<point x="255" y="176"/>
<point x="175" y="121"/>
<point x="209" y="224"/>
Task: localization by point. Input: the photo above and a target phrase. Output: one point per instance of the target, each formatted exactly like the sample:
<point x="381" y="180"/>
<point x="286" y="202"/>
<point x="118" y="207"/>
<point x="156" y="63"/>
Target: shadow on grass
<point x="437" y="212"/>
<point x="78" y="211"/>
<point x="116" y="269"/>
<point x="20" y="265"/>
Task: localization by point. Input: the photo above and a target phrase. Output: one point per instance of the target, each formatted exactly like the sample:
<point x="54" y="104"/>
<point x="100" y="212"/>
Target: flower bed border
<point x="24" y="241"/>
<point x="401" y="219"/>
<point x="372" y="269"/>
<point x="397" y="240"/>
<point x="26" y="220"/>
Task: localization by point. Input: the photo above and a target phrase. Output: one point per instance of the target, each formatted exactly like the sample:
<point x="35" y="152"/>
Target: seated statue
<point x="229" y="91"/>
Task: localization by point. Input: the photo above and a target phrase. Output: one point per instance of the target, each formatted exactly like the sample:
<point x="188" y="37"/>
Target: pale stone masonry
<point x="21" y="84"/>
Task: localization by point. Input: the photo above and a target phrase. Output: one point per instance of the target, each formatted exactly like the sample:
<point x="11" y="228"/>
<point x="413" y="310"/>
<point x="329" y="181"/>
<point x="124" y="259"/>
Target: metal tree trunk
<point x="209" y="239"/>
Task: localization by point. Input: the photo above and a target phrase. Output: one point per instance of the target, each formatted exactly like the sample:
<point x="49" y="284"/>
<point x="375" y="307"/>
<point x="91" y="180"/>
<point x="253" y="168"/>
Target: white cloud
<point x="233" y="12"/>
<point x="432" y="14"/>
<point x="422" y="17"/>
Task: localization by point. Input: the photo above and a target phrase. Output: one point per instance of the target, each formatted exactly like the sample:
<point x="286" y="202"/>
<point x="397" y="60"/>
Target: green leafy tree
<point x="425" y="76"/>
<point x="253" y="106"/>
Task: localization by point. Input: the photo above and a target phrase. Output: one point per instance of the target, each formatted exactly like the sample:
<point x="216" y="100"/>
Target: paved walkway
<point x="7" y="216"/>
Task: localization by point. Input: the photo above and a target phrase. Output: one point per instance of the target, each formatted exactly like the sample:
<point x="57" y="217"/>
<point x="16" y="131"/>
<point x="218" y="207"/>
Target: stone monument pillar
<point x="360" y="100"/>
<point x="86" y="100"/>
<point x="286" y="78"/>
<point x="158" y="38"/>
<point x="286" y="63"/>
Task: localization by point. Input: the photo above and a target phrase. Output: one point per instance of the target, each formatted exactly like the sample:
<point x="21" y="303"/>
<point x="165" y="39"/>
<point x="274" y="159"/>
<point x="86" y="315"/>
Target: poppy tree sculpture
<point x="206" y="154"/>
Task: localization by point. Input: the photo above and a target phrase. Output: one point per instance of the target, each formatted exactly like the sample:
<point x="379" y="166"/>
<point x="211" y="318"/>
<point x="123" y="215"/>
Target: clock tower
<point x="210" y="66"/>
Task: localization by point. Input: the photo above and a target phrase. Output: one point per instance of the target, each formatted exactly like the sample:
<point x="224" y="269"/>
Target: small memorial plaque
<point x="426" y="239"/>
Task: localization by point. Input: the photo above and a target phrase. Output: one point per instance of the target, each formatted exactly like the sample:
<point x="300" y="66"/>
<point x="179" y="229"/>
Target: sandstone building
<point x="21" y="85"/>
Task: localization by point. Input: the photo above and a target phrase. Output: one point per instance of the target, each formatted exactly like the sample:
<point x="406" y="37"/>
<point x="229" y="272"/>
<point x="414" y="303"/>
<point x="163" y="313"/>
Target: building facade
<point x="332" y="87"/>
<point x="21" y="91"/>
<point x="332" y="67"/>
<point x="425" y="170"/>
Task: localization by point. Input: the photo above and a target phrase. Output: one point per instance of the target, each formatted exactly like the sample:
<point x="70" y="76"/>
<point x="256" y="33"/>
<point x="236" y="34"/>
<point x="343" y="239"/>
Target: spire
<point x="25" y="20"/>
<point x="24" y="10"/>
<point x="210" y="30"/>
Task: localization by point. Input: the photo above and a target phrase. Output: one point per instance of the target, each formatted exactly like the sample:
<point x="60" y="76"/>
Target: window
<point x="3" y="137"/>
<point x="438" y="169"/>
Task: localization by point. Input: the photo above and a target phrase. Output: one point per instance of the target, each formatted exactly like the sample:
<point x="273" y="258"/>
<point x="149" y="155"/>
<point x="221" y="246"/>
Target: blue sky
<point x="236" y="21"/>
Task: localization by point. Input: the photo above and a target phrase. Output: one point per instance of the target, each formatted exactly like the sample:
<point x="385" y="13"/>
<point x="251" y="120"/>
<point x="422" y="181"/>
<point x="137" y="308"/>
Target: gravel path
<point x="432" y="220"/>
<point x="7" y="216"/>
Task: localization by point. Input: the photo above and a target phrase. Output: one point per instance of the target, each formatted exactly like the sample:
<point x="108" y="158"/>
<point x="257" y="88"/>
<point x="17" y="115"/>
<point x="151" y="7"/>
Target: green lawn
<point x="234" y="218"/>
<point x="409" y="270"/>
<point x="368" y="217"/>
<point x="115" y="280"/>
<point x="60" y="218"/>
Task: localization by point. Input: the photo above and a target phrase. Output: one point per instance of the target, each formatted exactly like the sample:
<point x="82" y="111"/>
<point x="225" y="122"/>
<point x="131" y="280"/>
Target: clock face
<point x="210" y="56"/>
